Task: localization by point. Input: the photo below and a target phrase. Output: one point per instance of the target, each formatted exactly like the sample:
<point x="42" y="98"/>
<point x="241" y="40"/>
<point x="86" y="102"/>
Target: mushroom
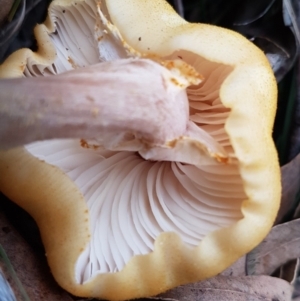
<point x="121" y="223"/>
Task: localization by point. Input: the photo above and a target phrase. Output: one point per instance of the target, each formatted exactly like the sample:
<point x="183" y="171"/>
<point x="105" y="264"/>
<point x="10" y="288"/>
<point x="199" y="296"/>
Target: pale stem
<point x="125" y="98"/>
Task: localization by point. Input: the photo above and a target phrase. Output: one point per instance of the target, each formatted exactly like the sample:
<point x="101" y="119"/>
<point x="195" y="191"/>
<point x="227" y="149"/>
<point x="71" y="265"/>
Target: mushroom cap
<point x="249" y="91"/>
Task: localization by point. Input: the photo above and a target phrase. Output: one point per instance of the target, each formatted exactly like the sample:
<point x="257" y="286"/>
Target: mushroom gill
<point x="137" y="200"/>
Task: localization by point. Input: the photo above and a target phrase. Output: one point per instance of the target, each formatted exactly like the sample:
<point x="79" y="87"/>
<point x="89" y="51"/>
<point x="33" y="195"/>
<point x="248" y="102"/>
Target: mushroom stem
<point x="132" y="99"/>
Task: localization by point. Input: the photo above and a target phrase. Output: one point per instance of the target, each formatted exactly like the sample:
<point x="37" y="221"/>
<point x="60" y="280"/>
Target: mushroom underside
<point x="132" y="200"/>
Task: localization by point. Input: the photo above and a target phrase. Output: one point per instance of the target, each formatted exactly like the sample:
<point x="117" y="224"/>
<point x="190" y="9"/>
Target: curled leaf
<point x="280" y="246"/>
<point x="288" y="271"/>
<point x="254" y="288"/>
<point x="290" y="179"/>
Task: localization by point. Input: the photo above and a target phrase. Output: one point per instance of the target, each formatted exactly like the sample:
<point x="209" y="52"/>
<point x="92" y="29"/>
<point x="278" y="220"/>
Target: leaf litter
<point x="245" y="288"/>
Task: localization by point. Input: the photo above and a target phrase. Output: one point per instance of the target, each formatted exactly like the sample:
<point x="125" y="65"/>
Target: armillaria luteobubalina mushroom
<point x="122" y="217"/>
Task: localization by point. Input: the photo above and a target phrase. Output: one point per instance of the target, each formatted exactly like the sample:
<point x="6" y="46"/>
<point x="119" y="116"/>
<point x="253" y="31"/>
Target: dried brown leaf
<point x="31" y="270"/>
<point x="290" y="179"/>
<point x="288" y="271"/>
<point x="297" y="212"/>
<point x="296" y="282"/>
<point x="4" y="11"/>
<point x="281" y="245"/>
<point x="246" y="288"/>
